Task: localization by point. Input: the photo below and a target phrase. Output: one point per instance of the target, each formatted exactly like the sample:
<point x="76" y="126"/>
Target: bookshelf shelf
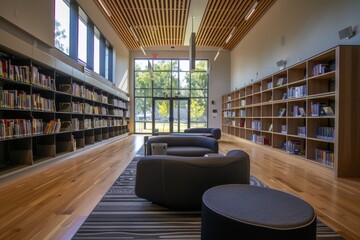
<point x="46" y="113"/>
<point x="306" y="110"/>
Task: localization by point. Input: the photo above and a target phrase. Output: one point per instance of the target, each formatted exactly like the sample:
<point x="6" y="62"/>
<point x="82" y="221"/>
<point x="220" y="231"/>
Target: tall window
<point x="170" y="79"/>
<point x="82" y="36"/>
<point x="77" y="36"/>
<point x="107" y="62"/>
<point x="62" y="25"/>
<point x="96" y="50"/>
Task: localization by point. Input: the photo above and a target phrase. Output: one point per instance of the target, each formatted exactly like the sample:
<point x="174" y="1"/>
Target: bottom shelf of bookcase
<point x="316" y="152"/>
<point x="17" y="154"/>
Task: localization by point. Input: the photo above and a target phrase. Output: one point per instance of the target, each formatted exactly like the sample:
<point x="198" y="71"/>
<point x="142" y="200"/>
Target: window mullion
<point x="90" y="45"/>
<point x="74" y="15"/>
<point x="102" y="56"/>
<point x="110" y="68"/>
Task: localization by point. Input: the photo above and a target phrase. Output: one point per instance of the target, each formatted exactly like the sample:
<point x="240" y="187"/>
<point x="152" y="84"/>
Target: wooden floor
<point x="52" y="201"/>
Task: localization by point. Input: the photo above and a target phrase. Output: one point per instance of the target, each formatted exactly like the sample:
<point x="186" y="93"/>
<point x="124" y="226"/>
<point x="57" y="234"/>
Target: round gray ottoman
<point x="234" y="211"/>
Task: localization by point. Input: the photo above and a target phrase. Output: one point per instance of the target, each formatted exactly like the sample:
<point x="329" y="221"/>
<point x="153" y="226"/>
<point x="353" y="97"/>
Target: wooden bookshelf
<point x="291" y="111"/>
<point x="47" y="111"/>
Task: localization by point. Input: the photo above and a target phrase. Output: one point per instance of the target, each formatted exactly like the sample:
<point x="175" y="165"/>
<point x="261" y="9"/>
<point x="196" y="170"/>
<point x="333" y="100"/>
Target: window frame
<point x="77" y="14"/>
<point x="152" y="88"/>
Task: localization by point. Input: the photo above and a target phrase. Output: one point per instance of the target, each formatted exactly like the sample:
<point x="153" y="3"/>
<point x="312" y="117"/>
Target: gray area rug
<point x="122" y="215"/>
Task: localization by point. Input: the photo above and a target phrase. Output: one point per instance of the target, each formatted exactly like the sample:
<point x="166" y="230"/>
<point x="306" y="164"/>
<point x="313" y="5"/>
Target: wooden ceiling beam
<point x="163" y="22"/>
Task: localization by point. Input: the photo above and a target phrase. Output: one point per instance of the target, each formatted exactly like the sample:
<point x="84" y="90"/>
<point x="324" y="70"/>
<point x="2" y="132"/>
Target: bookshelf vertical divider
<point x="310" y="110"/>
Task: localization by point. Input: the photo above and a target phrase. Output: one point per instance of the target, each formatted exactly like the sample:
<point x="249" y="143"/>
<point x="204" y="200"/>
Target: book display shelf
<point x="47" y="111"/>
<point x="309" y="110"/>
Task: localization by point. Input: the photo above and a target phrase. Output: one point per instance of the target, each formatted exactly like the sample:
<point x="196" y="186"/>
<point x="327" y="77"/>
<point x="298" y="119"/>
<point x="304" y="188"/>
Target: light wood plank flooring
<point x="52" y="201"/>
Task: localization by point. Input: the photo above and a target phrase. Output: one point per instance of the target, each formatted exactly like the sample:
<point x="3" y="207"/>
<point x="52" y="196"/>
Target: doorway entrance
<point x="170" y="115"/>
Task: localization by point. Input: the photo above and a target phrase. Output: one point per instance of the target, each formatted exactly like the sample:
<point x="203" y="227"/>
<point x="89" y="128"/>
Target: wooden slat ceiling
<point x="163" y="22"/>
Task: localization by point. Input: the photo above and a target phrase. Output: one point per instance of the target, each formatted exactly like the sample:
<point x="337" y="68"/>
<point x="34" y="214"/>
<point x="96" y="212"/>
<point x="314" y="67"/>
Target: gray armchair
<point x="190" y="146"/>
<point x="179" y="182"/>
<point x="213" y="132"/>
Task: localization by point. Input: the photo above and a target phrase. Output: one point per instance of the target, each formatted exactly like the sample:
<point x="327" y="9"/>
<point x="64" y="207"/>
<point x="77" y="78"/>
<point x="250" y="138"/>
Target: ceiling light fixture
<point x="104" y="8"/>
<point x="192" y="47"/>
<point x="217" y="54"/>
<point x="230" y="35"/>
<point x="142" y="49"/>
<point x="252" y="10"/>
<point x="134" y="34"/>
<point x="137" y="39"/>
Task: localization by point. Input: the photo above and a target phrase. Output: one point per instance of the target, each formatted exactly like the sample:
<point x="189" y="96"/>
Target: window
<point x="96" y="50"/>
<point x="170" y="79"/>
<point x="107" y="56"/>
<point x="78" y="37"/>
<point x="82" y="36"/>
<point x="62" y="25"/>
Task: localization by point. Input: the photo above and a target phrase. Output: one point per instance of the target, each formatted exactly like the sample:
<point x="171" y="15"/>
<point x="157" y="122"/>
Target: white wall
<point x="293" y="31"/>
<point x="35" y="17"/>
<point x="219" y="77"/>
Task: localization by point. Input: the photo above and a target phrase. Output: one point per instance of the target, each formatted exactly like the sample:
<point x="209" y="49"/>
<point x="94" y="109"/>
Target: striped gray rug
<point x="122" y="215"/>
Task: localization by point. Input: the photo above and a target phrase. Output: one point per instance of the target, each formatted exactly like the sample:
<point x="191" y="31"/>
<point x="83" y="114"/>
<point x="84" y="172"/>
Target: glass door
<point x="181" y="116"/>
<point x="170" y="115"/>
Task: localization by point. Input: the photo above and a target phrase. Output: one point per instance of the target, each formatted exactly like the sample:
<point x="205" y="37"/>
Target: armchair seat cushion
<point x="188" y="151"/>
<point x="211" y="132"/>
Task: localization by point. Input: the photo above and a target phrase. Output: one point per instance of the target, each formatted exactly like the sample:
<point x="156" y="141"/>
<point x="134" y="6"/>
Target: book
<point x="328" y="111"/>
<point x="270" y="127"/>
<point x="282" y="112"/>
<point x="302" y="112"/>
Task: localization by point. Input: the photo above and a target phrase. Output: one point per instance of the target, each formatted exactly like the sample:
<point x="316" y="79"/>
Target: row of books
<point x="81" y="91"/>
<point x="229" y="114"/>
<point x="15" y="128"/>
<point x="78" y="107"/>
<point x="97" y="122"/>
<point x="53" y="126"/>
<point x="297" y="111"/>
<point x="42" y="104"/>
<point x="18" y="99"/>
<point x="301" y="131"/>
<point x="260" y="139"/>
<point x="25" y="127"/>
<point x="33" y="75"/>
<point x="320" y="68"/>
<point x="269" y="85"/>
<point x="17" y="73"/>
<point x="281" y="81"/>
<point x="243" y="113"/>
<point x="292" y="147"/>
<point x="256" y="125"/>
<point x="236" y="123"/>
<point x="41" y="79"/>
<point x="15" y="99"/>
<point x="320" y="109"/>
<point x="25" y="74"/>
<point x="297" y="92"/>
<point x="326" y="133"/>
<point x="324" y="156"/>
<point x="119" y="103"/>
